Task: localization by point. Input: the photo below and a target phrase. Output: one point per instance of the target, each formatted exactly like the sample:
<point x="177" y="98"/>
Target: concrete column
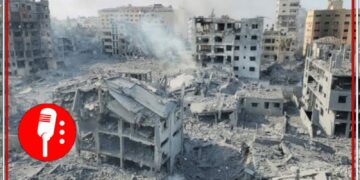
<point x="120" y="130"/>
<point x="157" y="147"/>
<point x="97" y="145"/>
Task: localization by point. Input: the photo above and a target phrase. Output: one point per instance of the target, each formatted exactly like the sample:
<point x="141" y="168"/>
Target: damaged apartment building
<point x="228" y="43"/>
<point x="254" y="98"/>
<point x="278" y="46"/>
<point x="327" y="88"/>
<point x="121" y="27"/>
<point x="125" y="122"/>
<point x="30" y="42"/>
<point x="280" y="43"/>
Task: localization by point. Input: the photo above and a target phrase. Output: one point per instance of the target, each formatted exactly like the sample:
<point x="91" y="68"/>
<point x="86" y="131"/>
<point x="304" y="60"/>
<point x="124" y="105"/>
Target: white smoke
<point x="151" y="39"/>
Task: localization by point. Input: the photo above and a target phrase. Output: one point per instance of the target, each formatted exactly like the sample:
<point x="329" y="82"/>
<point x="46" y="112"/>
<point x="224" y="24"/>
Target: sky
<point x="62" y="9"/>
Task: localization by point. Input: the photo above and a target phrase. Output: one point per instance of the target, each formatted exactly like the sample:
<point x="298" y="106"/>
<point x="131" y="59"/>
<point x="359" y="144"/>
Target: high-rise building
<point x="30" y="42"/>
<point x="326" y="94"/>
<point x="287" y="14"/>
<point x="335" y="21"/>
<point x="118" y="23"/>
<point x="228" y="42"/>
<point x="282" y="42"/>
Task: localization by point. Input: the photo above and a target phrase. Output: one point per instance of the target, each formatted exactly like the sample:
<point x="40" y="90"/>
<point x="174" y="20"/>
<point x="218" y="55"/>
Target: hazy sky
<point x="235" y="8"/>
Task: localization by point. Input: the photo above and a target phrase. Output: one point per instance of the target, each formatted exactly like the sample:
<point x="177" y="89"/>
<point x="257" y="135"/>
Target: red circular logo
<point x="47" y="132"/>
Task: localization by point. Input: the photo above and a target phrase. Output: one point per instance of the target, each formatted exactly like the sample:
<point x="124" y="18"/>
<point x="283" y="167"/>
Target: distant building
<point x="118" y="23"/>
<point x="290" y="26"/>
<point x="30" y="42"/>
<point x="335" y="4"/>
<point x="278" y="46"/>
<point x="334" y="21"/>
<point x="64" y="46"/>
<point x="287" y="13"/>
<point x="228" y="42"/>
<point x="326" y="94"/>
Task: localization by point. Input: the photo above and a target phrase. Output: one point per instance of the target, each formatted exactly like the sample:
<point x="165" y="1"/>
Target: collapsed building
<point x="30" y="43"/>
<point x="326" y="94"/>
<point x="250" y="99"/>
<point x="227" y="42"/>
<point x="261" y="100"/>
<point x="125" y="122"/>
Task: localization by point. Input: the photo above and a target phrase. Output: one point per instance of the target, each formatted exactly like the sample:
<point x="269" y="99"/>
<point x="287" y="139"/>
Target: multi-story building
<point x="228" y="42"/>
<point x="64" y="46"/>
<point x="334" y="21"/>
<point x="127" y="124"/>
<point x="326" y="94"/>
<point x="288" y="32"/>
<point x="278" y="46"/>
<point x="287" y="15"/>
<point x="117" y="24"/>
<point x="265" y="100"/>
<point x="30" y="42"/>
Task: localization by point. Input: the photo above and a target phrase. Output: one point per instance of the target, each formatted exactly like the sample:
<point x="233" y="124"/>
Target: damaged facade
<point x="253" y="99"/>
<point x="228" y="42"/>
<point x="261" y="100"/>
<point x="288" y="32"/>
<point x="120" y="25"/>
<point x="125" y="123"/>
<point x="287" y="15"/>
<point x="30" y="42"/>
<point x="327" y="87"/>
<point x="278" y="46"/>
<point x="64" y="46"/>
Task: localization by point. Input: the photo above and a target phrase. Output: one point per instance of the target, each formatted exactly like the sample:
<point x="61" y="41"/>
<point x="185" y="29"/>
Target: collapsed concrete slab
<point x="124" y="122"/>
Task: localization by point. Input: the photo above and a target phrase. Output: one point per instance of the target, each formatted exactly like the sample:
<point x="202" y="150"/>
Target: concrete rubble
<point x="206" y="110"/>
<point x="254" y="146"/>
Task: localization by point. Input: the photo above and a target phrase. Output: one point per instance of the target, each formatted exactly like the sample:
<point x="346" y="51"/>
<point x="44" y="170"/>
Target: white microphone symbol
<point x="46" y="127"/>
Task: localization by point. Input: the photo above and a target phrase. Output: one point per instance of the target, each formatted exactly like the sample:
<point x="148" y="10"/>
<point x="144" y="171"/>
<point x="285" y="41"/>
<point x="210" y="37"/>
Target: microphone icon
<point x="46" y="127"/>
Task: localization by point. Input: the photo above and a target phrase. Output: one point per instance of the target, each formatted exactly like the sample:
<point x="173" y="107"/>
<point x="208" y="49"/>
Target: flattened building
<point x="228" y="43"/>
<point x="326" y="94"/>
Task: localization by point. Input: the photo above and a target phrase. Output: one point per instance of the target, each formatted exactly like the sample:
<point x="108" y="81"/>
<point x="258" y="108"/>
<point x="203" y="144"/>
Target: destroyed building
<point x="64" y="46"/>
<point x="30" y="43"/>
<point x="326" y="94"/>
<point x="227" y="42"/>
<point x="214" y="109"/>
<point x="290" y="24"/>
<point x="261" y="100"/>
<point x="287" y="14"/>
<point x="124" y="122"/>
<point x="278" y="46"/>
<point x="118" y="25"/>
